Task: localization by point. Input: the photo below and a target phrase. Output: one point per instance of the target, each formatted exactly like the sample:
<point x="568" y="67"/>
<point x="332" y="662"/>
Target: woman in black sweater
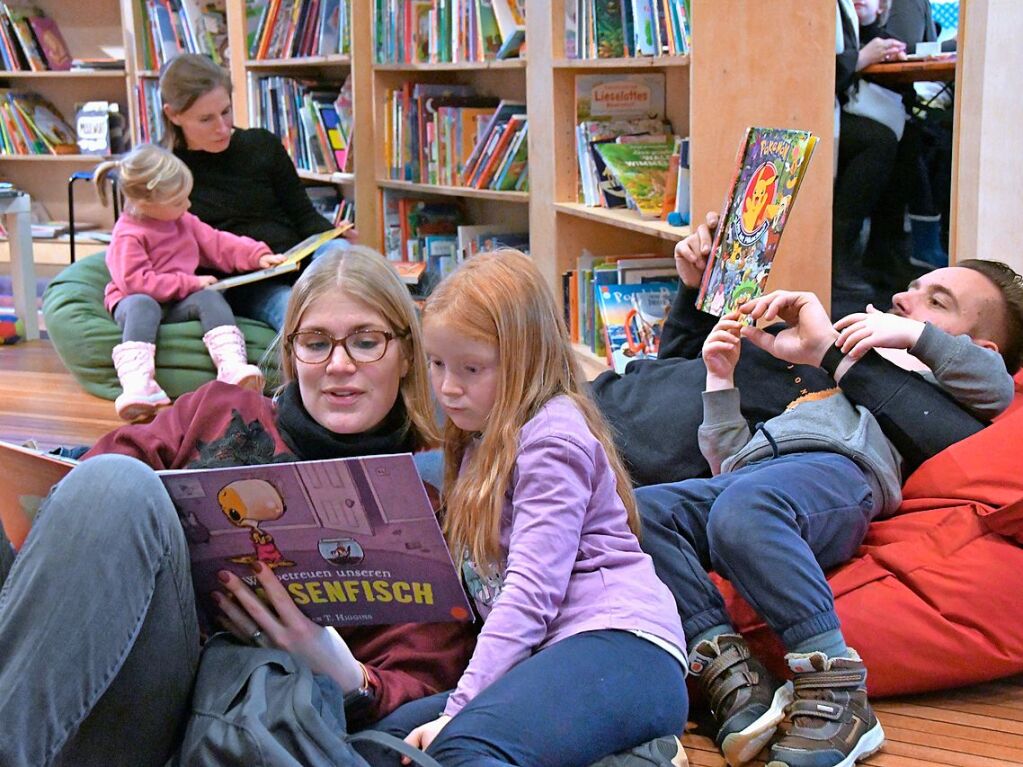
<point x="245" y="181"/>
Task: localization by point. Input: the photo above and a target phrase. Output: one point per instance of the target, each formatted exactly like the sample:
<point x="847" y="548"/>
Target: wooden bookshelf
<point x="453" y="191"/>
<point x="468" y="66"/>
<point x="626" y="219"/>
<point x="88" y="27"/>
<point x="628" y="63"/>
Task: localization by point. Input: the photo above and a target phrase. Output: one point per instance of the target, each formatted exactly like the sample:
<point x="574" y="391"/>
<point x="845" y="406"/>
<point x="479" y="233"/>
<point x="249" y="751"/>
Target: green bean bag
<point x="84" y="335"/>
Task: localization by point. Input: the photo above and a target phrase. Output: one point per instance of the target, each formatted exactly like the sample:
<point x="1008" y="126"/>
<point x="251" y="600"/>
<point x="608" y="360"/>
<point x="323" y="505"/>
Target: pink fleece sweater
<point x="159" y="258"/>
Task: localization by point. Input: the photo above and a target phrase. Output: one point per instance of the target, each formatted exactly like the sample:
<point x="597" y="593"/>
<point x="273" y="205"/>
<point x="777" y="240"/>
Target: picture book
<point x="51" y="42"/>
<point x="293" y="260"/>
<point x="26" y="476"/>
<point x="769" y="168"/>
<point x="641" y="168"/>
<point x="354" y="541"/>
<point x="633" y="319"/>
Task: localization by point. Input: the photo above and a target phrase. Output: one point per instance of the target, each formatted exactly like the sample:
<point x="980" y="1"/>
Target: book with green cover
<point x="769" y="169"/>
<point x="641" y="169"/>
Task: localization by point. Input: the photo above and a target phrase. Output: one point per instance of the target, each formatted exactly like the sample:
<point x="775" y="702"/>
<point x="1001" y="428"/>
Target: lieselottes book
<point x="355" y="541"/>
<point x="769" y="169"/>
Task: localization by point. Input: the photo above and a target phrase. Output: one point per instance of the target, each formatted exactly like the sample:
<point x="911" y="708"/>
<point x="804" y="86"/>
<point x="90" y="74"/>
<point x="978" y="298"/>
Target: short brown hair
<point x="184" y="79"/>
<point x="1010" y="285"/>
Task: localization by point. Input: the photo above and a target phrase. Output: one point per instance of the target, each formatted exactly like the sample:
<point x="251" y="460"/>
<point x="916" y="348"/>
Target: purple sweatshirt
<point x="571" y="563"/>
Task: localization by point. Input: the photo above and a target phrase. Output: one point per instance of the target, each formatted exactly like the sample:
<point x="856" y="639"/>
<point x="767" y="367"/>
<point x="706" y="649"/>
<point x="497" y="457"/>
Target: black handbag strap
<point x="395" y="744"/>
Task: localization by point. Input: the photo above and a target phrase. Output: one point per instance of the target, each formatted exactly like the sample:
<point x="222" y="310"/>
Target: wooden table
<point x="18" y="220"/>
<point x="939" y="69"/>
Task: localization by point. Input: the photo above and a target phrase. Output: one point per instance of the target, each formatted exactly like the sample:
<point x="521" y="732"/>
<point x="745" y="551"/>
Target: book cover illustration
<point x="295" y="255"/>
<point x="633" y="317"/>
<point x="641" y="168"/>
<point x="354" y="541"/>
<point x="26" y="476"/>
<point x="770" y="167"/>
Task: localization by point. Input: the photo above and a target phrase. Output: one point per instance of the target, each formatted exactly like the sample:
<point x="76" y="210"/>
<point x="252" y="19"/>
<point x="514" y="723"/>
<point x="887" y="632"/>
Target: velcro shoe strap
<point x="819" y="709"/>
<point x="737" y="680"/>
<point x="732" y="655"/>
<point x="830" y="679"/>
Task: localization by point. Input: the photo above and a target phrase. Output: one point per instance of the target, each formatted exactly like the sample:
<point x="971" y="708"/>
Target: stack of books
<point x="30" y="41"/>
<point x="29" y="125"/>
<point x="288" y="29"/>
<point x="170" y="27"/>
<point x="604" y="29"/>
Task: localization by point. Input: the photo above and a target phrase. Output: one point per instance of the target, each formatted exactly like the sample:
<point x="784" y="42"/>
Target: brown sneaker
<point x="831" y="723"/>
<point x="746" y="701"/>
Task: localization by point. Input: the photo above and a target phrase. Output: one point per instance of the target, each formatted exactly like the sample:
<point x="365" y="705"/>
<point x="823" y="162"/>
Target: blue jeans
<point x="587" y="696"/>
<point x="267" y="300"/>
<point x="769" y="528"/>
<point x="98" y="637"/>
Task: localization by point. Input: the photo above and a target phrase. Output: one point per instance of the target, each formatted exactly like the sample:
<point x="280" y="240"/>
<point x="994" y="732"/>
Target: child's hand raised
<point x="721" y="352"/>
<point x="205" y="280"/>
<point x="860" y="332"/>
<point x="270" y="259"/>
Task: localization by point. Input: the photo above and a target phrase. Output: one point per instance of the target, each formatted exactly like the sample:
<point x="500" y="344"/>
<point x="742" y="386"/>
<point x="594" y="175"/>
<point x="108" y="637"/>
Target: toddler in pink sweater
<point x="156" y="248"/>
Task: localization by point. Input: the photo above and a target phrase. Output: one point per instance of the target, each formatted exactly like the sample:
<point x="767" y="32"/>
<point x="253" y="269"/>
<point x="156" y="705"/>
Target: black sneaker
<point x="746" y="701"/>
<point x="830" y="722"/>
<point x="662" y="752"/>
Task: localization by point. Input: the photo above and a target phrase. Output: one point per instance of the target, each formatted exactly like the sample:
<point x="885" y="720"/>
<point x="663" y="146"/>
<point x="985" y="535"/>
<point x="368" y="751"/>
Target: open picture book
<point x="293" y="260"/>
<point x="355" y="541"/>
<point x="769" y="169"/>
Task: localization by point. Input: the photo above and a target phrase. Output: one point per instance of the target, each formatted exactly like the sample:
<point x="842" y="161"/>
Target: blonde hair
<point x="184" y="79"/>
<point x="364" y="275"/>
<point x="148" y="173"/>
<point x="500" y="298"/>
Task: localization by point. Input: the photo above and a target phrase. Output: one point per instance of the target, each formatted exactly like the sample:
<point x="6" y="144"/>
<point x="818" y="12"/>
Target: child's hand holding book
<point x="721" y="352"/>
<point x="271" y="259"/>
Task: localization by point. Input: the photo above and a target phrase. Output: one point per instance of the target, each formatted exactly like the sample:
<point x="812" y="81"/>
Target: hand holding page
<point x="292" y="260"/>
<point x="769" y="168"/>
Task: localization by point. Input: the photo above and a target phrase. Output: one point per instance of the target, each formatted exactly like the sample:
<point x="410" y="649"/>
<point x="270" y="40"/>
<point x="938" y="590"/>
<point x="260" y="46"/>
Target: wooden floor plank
<point x="966" y="734"/>
<point x="952" y="743"/>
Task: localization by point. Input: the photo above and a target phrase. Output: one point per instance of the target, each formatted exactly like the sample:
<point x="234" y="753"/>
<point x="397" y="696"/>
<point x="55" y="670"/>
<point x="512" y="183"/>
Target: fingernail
<point x="257" y="567"/>
<point x="223" y="576"/>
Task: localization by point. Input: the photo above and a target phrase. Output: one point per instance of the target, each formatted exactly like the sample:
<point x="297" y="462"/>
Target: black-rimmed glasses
<point x="314" y="347"/>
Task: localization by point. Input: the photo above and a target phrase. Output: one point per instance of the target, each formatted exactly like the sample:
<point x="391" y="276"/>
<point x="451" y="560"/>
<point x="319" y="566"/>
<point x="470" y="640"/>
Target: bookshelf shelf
<point x="74" y="74"/>
<point x="624" y="219"/>
<point x="327" y="178"/>
<point x="453" y="191"/>
<point x="637" y="62"/>
<point x="72" y="158"/>
<point x="147" y="73"/>
<point x="469" y="66"/>
<point x="305" y="62"/>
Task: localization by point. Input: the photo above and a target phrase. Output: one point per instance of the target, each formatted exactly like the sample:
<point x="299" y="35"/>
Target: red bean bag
<point x="934" y="597"/>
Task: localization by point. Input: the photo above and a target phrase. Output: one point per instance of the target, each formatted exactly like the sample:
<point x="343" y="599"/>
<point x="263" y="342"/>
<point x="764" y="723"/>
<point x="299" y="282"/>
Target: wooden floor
<point x="979" y="726"/>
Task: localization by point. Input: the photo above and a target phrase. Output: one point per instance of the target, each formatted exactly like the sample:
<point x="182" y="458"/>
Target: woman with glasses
<point x="97" y="617"/>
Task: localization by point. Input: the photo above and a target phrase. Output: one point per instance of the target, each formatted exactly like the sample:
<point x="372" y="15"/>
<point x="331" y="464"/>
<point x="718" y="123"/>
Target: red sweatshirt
<point x="159" y="258"/>
<point x="233" y="426"/>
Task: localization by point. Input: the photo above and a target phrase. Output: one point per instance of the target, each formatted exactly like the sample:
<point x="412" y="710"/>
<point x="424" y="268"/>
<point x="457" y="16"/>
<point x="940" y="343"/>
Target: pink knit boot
<point x="135" y="362"/>
<point x="226" y="345"/>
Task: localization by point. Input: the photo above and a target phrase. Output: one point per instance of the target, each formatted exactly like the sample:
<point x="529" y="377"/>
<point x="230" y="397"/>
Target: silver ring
<point x="256" y="636"/>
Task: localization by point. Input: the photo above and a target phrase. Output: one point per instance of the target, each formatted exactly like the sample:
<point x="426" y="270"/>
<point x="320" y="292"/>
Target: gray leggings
<point x="140" y="315"/>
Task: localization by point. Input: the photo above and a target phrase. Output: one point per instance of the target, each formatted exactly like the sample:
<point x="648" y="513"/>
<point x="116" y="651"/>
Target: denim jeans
<point x="98" y="638"/>
<point x="593" y="694"/>
<point x="769" y="528"/>
<point x="267" y="300"/>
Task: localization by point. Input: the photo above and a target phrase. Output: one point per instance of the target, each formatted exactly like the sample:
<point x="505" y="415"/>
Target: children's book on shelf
<point x="354" y="541"/>
<point x="769" y="169"/>
<point x="641" y="169"/>
<point x="481" y="238"/>
<point x="617" y="28"/>
<point x="32" y="125"/>
<point x="293" y="260"/>
<point x="51" y="42"/>
<point x="609" y="107"/>
<point x="633" y="319"/>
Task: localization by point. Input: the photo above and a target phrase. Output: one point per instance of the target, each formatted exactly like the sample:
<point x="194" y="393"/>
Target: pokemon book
<point x="355" y="541"/>
<point x="769" y="169"/>
<point x="294" y="257"/>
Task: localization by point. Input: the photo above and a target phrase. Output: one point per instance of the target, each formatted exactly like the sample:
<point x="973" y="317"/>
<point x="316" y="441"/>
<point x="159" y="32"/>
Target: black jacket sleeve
<point x="920" y="419"/>
<point x="292" y="197"/>
<point x="685" y="328"/>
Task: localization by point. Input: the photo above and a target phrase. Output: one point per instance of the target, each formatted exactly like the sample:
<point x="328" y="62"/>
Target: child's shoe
<point x="662" y="752"/>
<point x="226" y="345"/>
<point x="831" y="723"/>
<point x="746" y="701"/>
<point x="135" y="362"/>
